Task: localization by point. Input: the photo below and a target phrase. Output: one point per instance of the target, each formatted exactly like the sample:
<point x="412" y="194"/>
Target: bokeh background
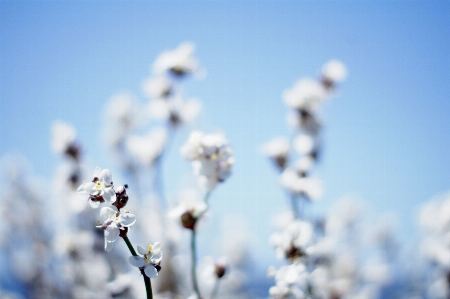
<point x="387" y="132"/>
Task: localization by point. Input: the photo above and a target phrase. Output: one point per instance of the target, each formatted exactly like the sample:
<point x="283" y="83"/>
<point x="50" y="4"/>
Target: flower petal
<point x="105" y="175"/>
<point x="136" y="261"/>
<point x="111" y="232"/>
<point x="107" y="213"/>
<point x="127" y="219"/>
<point x="141" y="250"/>
<point x="150" y="271"/>
<point x="94" y="204"/>
<point x="109" y="195"/>
<point x="108" y="245"/>
<point x="82" y="188"/>
<point x="156" y="257"/>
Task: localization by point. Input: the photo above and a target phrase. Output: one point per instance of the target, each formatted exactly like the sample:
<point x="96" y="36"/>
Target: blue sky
<point x="387" y="137"/>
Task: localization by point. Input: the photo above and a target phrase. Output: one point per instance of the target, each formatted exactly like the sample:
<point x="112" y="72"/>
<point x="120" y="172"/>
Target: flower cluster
<point x="211" y="156"/>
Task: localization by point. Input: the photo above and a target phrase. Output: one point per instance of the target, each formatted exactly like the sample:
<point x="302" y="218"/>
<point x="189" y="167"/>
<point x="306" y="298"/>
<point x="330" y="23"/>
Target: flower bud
<point x="188" y="220"/>
<point x="121" y="197"/>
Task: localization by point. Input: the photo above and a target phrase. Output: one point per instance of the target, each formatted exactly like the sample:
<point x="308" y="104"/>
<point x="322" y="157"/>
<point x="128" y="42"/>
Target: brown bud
<point x="220" y="270"/>
<point x="121" y="197"/>
<point x="188" y="220"/>
<point x="123" y="232"/>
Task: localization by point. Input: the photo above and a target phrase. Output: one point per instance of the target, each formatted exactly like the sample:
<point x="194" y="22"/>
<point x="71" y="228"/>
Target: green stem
<point x="148" y="283"/>
<point x="194" y="263"/>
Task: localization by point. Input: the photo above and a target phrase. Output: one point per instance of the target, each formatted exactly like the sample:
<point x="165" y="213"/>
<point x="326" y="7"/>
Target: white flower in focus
<point x="334" y="71"/>
<point x="157" y="87"/>
<point x="113" y="222"/>
<point x="150" y="259"/>
<point x="179" y="62"/>
<point x="296" y="183"/>
<point x="146" y="149"/>
<point x="100" y="189"/>
<point x="63" y="137"/>
<point x="307" y="94"/>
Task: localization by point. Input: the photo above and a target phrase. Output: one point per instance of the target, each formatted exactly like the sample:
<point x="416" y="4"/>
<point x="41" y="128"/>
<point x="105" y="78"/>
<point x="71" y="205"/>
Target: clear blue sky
<point x="387" y="136"/>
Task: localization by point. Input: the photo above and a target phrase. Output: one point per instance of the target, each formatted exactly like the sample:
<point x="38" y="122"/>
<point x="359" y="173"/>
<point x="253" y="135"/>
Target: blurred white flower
<point x="334" y="71"/>
<point x="157" y="87"/>
<point x="304" y="144"/>
<point x="150" y="259"/>
<point x="294" y="240"/>
<point x="179" y="62"/>
<point x="113" y="222"/>
<point x="63" y="137"/>
<point x="307" y="94"/>
<point x="296" y="183"/>
<point x="211" y="156"/>
<point x="290" y="282"/>
<point x="190" y="208"/>
<point x="277" y="149"/>
<point x="175" y="110"/>
<point x="146" y="149"/>
<point x="100" y="189"/>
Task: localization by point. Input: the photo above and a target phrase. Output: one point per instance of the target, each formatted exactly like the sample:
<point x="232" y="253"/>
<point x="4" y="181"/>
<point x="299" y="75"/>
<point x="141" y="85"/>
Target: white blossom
<point x="113" y="222"/>
<point x="179" y="61"/>
<point x="296" y="183"/>
<point x="146" y="149"/>
<point x="334" y="71"/>
<point x="100" y="189"/>
<point x="307" y="94"/>
<point x="149" y="259"/>
<point x="157" y="87"/>
<point x="63" y="136"/>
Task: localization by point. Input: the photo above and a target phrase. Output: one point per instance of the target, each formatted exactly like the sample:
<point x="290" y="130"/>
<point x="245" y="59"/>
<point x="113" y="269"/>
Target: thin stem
<point x="147" y="282"/>
<point x="215" y="289"/>
<point x="294" y="205"/>
<point x="194" y="265"/>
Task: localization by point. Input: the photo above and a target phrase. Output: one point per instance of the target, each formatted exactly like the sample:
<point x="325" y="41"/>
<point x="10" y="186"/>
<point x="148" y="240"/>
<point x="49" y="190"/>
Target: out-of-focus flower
<point x="211" y="156"/>
<point x="334" y="71"/>
<point x="113" y="222"/>
<point x="157" y="87"/>
<point x="297" y="183"/>
<point x="278" y="150"/>
<point x="189" y="209"/>
<point x="100" y="189"/>
<point x="307" y="94"/>
<point x="150" y="259"/>
<point x="179" y="62"/>
<point x="63" y="139"/>
<point x="293" y="242"/>
<point x="290" y="282"/>
<point x="146" y="149"/>
<point x="304" y="144"/>
<point x="175" y="110"/>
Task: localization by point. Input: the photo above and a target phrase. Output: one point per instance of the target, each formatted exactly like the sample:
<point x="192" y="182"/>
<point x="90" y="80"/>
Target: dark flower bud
<point x="121" y="197"/>
<point x="123" y="232"/>
<point x="220" y="269"/>
<point x="188" y="220"/>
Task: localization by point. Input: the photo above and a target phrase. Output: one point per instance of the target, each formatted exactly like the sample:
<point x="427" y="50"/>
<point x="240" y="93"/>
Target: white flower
<point x="149" y="260"/>
<point x="146" y="149"/>
<point x="157" y="87"/>
<point x="307" y="94"/>
<point x="211" y="157"/>
<point x="190" y="208"/>
<point x="63" y="136"/>
<point x="179" y="61"/>
<point x="294" y="240"/>
<point x="100" y="189"/>
<point x="334" y="71"/>
<point x="304" y="144"/>
<point x="113" y="222"/>
<point x="175" y="110"/>
<point x="296" y="183"/>
<point x="290" y="282"/>
<point x="278" y="150"/>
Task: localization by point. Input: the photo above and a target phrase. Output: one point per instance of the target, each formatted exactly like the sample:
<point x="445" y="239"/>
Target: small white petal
<point x="109" y="195"/>
<point x="82" y="188"/>
<point x="141" y="250"/>
<point x="105" y="175"/>
<point x="111" y="232"/>
<point x="151" y="271"/>
<point x="136" y="261"/>
<point x="127" y="219"/>
<point x="94" y="204"/>
<point x="107" y="213"/>
<point x="156" y="257"/>
<point x="108" y="245"/>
